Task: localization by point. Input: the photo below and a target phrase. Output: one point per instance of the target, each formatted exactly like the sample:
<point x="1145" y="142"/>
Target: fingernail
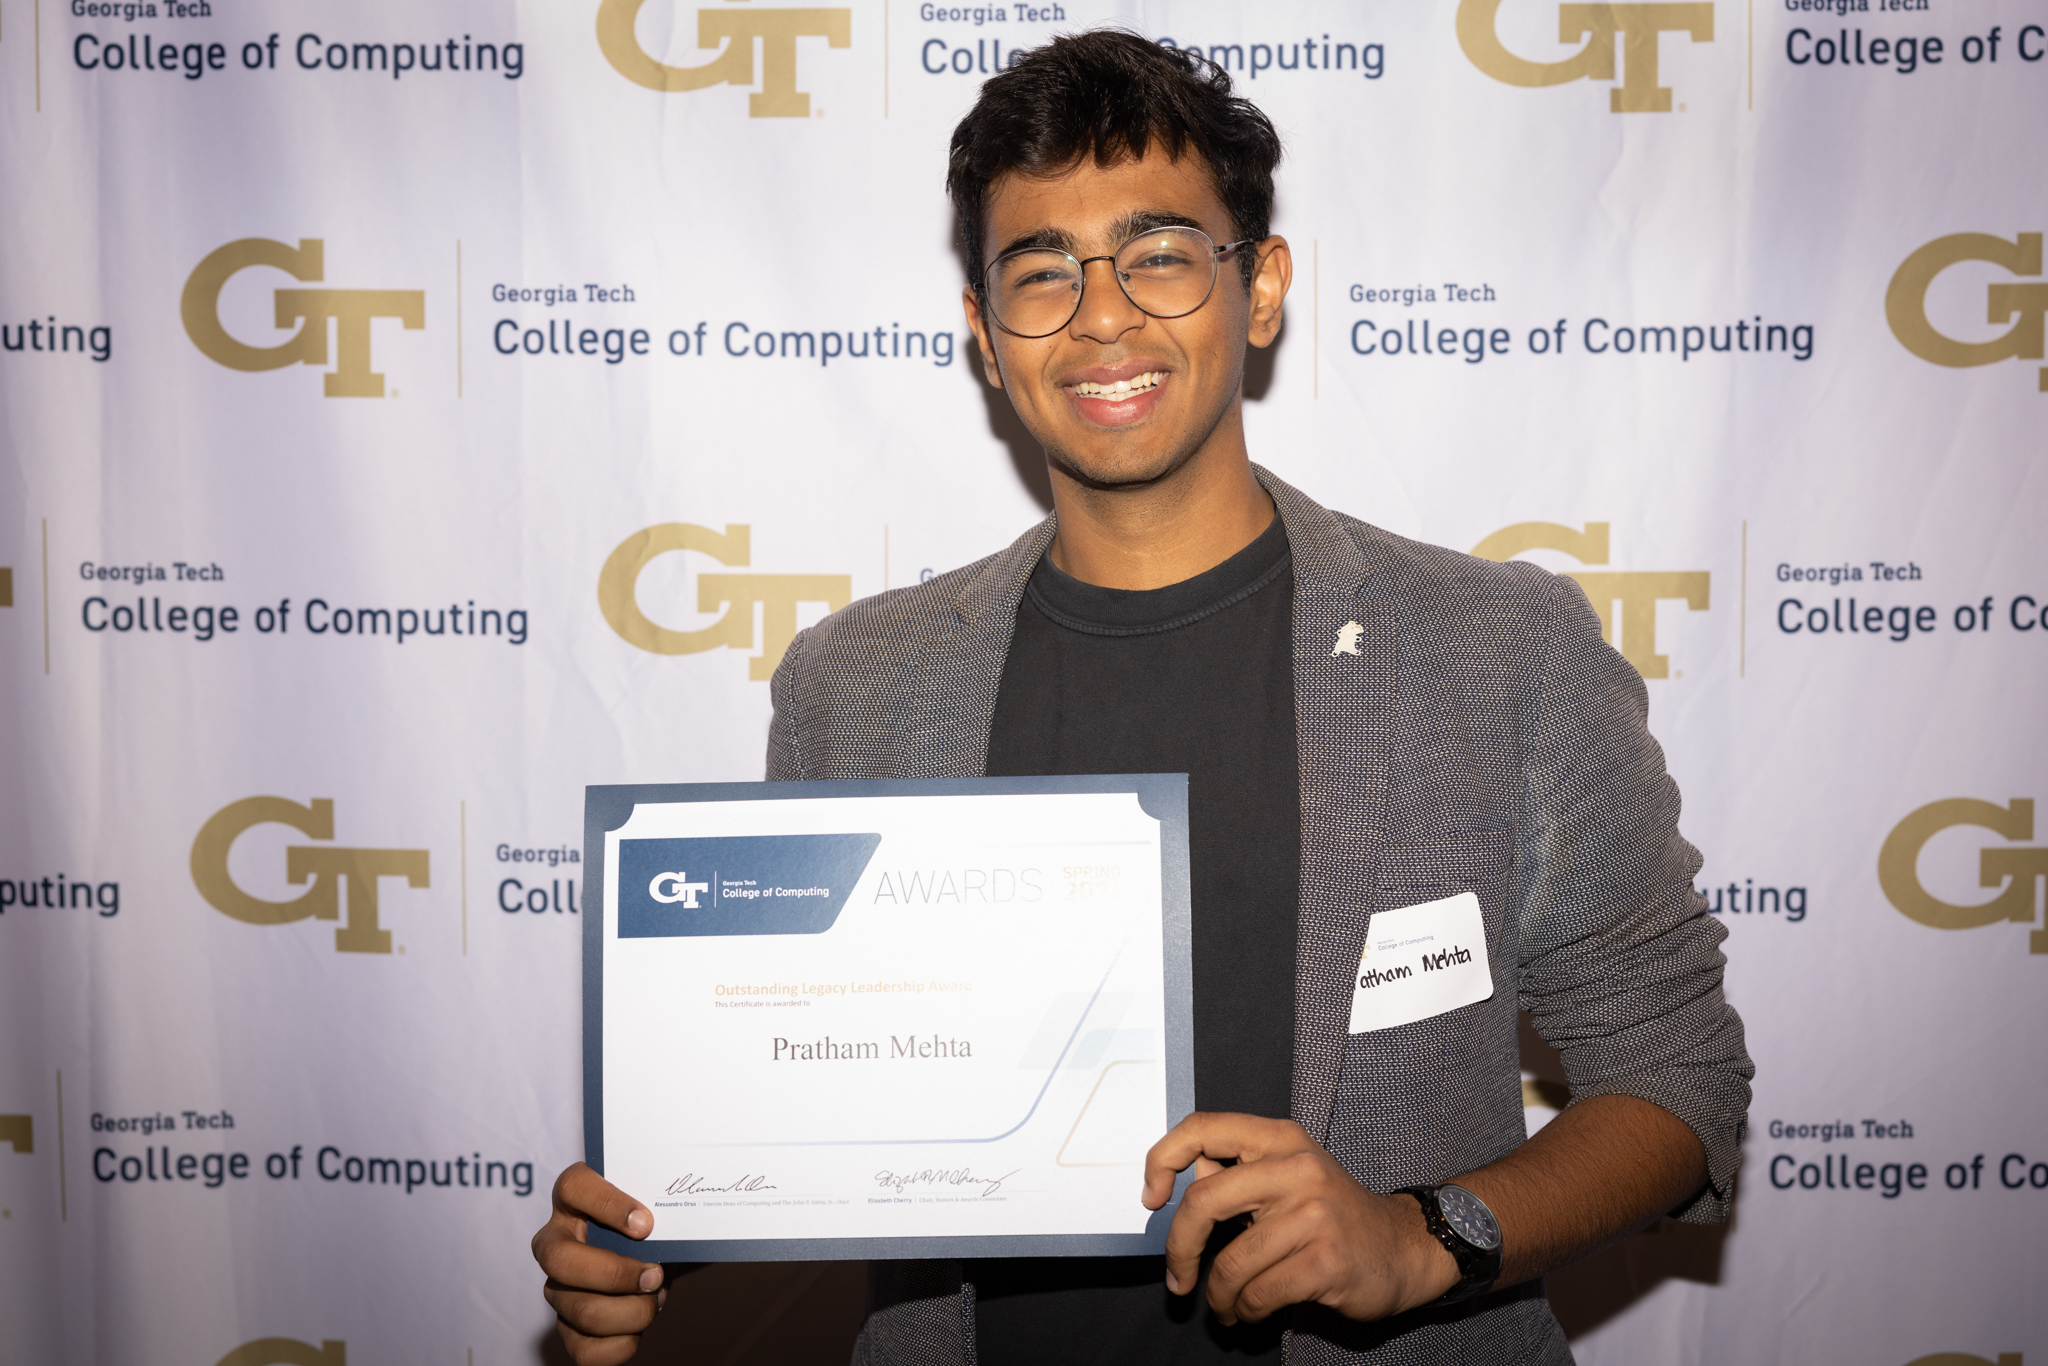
<point x="650" y="1279"/>
<point x="1173" y="1283"/>
<point x="638" y="1222"/>
<point x="661" y="1300"/>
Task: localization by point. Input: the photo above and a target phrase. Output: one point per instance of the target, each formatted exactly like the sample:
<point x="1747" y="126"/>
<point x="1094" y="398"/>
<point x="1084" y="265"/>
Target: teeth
<point x="1123" y="388"/>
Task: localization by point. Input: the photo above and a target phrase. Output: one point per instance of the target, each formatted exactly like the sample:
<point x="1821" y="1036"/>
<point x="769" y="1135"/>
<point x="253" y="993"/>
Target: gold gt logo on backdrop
<point x="351" y="310"/>
<point x="329" y="867"/>
<point x="1905" y="302"/>
<point x="2018" y="871"/>
<point x="778" y="595"/>
<point x="1630" y="597"/>
<point x="778" y="30"/>
<point x="286" y="1352"/>
<point x="1637" y="26"/>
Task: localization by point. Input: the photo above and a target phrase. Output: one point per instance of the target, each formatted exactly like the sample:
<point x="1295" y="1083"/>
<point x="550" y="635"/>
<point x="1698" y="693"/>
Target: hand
<point x="602" y="1301"/>
<point x="1316" y="1234"/>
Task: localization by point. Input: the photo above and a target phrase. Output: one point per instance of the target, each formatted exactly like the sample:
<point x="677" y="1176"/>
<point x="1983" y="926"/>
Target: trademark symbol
<point x="401" y="948"/>
<point x="819" y="114"/>
<point x="1681" y="109"/>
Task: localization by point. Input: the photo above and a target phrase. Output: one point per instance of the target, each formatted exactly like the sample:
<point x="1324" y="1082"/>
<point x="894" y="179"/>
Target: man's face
<point x="1184" y="373"/>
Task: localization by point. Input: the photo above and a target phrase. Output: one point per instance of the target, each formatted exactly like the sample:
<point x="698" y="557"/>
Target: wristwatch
<point x="1461" y="1221"/>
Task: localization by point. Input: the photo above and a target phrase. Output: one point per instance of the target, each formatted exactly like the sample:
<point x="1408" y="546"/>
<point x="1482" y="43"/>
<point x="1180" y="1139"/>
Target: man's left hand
<point x="1316" y="1234"/>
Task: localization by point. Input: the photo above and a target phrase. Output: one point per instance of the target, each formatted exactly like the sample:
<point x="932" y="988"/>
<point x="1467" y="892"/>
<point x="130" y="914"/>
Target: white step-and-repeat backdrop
<point x="410" y="413"/>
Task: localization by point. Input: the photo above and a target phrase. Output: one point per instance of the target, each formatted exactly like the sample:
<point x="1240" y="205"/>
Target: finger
<point x="581" y="1192"/>
<point x="601" y="1351"/>
<point x="579" y="1266"/>
<point x="1295" y="1278"/>
<point x="1254" y="1257"/>
<point x="1207" y="1203"/>
<point x="1248" y="1138"/>
<point x="600" y="1315"/>
<point x="1253" y="1188"/>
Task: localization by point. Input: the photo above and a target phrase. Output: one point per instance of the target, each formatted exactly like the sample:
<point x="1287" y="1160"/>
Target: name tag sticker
<point x="1421" y="961"/>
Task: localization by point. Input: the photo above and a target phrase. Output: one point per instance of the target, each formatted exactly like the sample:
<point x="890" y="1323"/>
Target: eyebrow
<point x="1131" y="225"/>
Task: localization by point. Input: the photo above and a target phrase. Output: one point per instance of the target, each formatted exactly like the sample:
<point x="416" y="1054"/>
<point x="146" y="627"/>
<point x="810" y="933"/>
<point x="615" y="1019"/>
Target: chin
<point x="1118" y="469"/>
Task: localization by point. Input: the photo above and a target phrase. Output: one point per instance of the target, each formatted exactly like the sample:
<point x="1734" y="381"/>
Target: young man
<point x="1368" y="724"/>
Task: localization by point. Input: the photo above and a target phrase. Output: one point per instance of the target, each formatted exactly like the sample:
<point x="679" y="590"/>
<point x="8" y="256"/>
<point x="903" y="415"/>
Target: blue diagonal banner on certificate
<point x="741" y="884"/>
<point x="887" y="1019"/>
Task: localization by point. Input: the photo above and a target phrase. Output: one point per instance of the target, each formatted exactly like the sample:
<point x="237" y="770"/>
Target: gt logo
<point x="1631" y="597"/>
<point x="684" y="891"/>
<point x="2017" y="871"/>
<point x="1905" y="302"/>
<point x="1636" y="25"/>
<point x="778" y="30"/>
<point x="330" y="868"/>
<point x="351" y="310"/>
<point x="778" y="594"/>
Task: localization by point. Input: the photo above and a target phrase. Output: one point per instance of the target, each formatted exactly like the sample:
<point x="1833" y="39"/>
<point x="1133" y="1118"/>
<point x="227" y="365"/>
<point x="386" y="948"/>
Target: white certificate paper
<point x="926" y="1018"/>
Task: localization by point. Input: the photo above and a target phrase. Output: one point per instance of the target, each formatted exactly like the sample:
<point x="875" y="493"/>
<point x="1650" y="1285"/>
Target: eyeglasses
<point x="1166" y="273"/>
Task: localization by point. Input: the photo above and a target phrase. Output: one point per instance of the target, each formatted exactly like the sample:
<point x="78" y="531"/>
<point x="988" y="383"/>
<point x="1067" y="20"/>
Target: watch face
<point x="1468" y="1214"/>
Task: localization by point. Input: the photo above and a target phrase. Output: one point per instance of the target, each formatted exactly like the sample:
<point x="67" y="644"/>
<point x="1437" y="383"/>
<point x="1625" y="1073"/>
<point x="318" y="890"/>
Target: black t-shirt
<point x="1194" y="678"/>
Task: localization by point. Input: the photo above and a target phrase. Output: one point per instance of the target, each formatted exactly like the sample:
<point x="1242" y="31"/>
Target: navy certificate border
<point x="1163" y="796"/>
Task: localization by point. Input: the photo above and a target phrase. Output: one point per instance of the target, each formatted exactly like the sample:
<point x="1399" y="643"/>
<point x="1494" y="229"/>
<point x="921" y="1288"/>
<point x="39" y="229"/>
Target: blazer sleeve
<point x="785" y="751"/>
<point x="1622" y="966"/>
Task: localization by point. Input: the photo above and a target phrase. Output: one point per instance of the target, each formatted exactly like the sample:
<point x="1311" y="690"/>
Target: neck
<point x="1167" y="530"/>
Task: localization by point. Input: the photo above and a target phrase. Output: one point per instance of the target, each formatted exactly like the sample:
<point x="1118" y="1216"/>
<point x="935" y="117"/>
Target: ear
<point x="1270" y="281"/>
<point x="970" y="303"/>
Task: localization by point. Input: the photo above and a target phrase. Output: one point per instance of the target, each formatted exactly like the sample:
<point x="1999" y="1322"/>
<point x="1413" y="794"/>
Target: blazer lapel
<point x="960" y="666"/>
<point x="1343" y="706"/>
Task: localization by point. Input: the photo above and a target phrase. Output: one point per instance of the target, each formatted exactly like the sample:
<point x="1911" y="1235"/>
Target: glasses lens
<point x="1033" y="293"/>
<point x="1168" y="272"/>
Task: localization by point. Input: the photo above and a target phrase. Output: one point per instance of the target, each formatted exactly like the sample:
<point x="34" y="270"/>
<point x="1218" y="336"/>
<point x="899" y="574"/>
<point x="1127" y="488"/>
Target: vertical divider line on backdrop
<point x="63" y="1176"/>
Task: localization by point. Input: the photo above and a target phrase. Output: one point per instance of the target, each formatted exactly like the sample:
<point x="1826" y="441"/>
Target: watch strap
<point x="1478" y="1267"/>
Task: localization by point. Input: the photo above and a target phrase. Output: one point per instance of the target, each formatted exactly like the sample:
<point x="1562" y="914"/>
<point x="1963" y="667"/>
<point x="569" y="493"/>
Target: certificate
<point x="919" y="1018"/>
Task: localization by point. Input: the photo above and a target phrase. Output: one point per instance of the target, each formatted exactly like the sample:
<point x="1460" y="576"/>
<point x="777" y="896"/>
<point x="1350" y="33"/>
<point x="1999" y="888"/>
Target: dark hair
<point x="1111" y="94"/>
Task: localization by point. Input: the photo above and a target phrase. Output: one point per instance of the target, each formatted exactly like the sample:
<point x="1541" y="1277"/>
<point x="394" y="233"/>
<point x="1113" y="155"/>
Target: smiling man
<point x="1371" y="727"/>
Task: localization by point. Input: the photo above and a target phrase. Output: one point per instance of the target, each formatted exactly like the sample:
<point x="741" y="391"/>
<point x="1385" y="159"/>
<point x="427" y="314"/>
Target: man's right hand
<point x="603" y="1302"/>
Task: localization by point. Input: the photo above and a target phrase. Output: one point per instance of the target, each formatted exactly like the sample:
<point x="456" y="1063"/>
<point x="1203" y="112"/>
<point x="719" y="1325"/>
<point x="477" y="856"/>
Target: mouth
<point x="1118" y="402"/>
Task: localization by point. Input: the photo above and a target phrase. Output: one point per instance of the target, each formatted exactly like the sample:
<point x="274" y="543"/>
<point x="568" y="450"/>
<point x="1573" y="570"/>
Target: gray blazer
<point x="1482" y="739"/>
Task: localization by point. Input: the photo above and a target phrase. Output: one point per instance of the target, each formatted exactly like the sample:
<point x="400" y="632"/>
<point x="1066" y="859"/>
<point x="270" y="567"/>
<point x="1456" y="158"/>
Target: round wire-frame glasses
<point x="1165" y="273"/>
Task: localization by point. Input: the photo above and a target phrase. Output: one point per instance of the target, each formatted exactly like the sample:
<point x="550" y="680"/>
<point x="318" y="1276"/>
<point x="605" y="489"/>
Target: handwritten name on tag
<point x="1421" y="961"/>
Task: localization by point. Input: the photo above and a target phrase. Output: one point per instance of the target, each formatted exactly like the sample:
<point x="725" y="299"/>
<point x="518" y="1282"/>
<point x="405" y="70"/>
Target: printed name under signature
<point x="936" y="1176"/>
<point x="694" y="1185"/>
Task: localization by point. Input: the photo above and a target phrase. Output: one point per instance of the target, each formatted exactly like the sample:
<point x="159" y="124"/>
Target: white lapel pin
<point x="1347" y="639"/>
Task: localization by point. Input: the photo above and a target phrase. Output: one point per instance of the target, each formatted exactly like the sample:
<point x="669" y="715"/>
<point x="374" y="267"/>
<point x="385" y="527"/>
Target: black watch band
<point x="1476" y="1247"/>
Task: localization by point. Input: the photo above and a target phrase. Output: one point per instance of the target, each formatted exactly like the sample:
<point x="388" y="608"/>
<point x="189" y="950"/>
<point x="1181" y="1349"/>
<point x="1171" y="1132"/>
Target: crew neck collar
<point x="1144" y="611"/>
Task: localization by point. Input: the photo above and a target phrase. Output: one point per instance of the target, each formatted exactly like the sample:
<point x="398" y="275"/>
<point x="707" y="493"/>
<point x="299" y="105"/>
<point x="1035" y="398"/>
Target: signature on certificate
<point x="695" y="1185"/>
<point x="956" y="1177"/>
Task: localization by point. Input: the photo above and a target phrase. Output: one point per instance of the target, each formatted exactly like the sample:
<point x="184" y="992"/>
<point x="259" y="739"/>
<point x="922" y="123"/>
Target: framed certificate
<point x="919" y="1018"/>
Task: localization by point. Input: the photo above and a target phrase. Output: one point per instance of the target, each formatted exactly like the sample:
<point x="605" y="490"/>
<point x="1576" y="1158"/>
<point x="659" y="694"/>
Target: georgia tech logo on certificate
<point x="351" y="310"/>
<point x="618" y="585"/>
<point x="2024" y="305"/>
<point x="286" y="1352"/>
<point x="328" y="866"/>
<point x="1630" y="597"/>
<point x="1637" y="26"/>
<point x="745" y="884"/>
<point x="2018" y="872"/>
<point x="736" y="29"/>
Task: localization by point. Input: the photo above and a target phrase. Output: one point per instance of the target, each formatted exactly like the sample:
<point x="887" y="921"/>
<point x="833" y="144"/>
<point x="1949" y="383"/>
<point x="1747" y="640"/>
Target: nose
<point x="1104" y="315"/>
